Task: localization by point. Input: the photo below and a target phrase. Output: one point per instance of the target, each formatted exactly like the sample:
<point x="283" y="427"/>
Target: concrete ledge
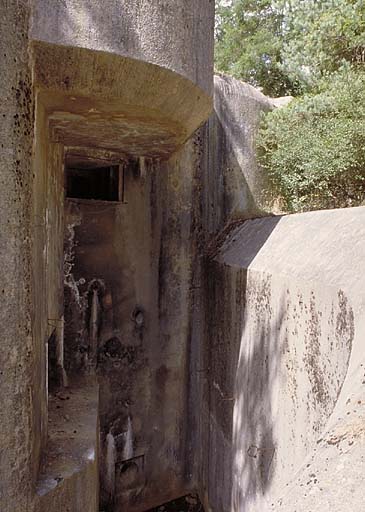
<point x="325" y="247"/>
<point x="69" y="477"/>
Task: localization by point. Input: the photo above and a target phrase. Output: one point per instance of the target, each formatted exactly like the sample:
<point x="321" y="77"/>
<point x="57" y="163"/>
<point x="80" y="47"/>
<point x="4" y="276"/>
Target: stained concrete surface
<point x="72" y="448"/>
<point x="284" y="394"/>
<point x="47" y="264"/>
<point x="239" y="108"/>
<point x="228" y="353"/>
<point x="140" y="252"/>
<point x="92" y="100"/>
<point x="19" y="447"/>
<point x="177" y="34"/>
<point x="102" y="102"/>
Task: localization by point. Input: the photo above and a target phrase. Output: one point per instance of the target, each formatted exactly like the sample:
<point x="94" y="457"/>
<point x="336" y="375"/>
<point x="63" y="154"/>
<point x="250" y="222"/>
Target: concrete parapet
<point x="238" y="111"/>
<point x="286" y="384"/>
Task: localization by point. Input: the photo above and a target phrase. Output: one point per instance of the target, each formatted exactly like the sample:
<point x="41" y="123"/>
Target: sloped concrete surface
<point x="286" y="384"/>
<point x="323" y="247"/>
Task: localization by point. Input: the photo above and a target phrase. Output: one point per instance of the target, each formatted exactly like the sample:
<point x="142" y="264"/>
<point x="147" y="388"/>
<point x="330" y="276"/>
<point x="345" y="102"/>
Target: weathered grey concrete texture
<point x="19" y="445"/>
<point x="141" y="254"/>
<point x="137" y="99"/>
<point x="31" y="279"/>
<point x="229" y="186"/>
<point x="240" y="186"/>
<point x="47" y="256"/>
<point x="98" y="99"/>
<point x="235" y="368"/>
<point x="69" y="474"/>
<point x="176" y="34"/>
<point x="65" y="475"/>
<point x="284" y="387"/>
<point x="228" y="190"/>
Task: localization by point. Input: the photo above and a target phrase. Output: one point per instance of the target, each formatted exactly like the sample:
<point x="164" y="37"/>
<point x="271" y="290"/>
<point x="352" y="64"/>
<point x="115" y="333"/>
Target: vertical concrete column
<point x="16" y="128"/>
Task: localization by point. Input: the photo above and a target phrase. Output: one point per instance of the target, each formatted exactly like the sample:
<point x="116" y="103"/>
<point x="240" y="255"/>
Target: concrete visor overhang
<point x="103" y="100"/>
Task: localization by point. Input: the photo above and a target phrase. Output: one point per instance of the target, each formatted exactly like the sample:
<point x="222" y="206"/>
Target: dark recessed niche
<point x="54" y="375"/>
<point x="188" y="503"/>
<point x="100" y="183"/>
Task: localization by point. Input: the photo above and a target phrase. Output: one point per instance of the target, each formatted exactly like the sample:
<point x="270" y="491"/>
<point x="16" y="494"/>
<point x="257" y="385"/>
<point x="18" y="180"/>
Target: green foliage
<point x="249" y="44"/>
<point x="314" y="149"/>
<point x="321" y="37"/>
<point x="288" y="46"/>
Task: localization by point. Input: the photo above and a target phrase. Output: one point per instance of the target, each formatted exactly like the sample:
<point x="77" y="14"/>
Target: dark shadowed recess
<point x="189" y="503"/>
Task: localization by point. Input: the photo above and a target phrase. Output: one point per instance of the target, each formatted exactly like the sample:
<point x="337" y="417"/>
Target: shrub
<point x="314" y="149"/>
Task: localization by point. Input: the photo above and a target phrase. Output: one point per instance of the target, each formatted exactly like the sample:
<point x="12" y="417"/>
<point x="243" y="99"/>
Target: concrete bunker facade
<point x="160" y="344"/>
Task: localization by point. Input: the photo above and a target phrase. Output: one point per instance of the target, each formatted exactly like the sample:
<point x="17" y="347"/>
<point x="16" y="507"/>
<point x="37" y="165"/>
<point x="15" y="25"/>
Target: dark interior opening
<point x="54" y="371"/>
<point x="100" y="183"/>
<point x="189" y="503"/>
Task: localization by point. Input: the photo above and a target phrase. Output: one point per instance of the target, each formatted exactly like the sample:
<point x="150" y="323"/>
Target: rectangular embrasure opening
<point x="99" y="183"/>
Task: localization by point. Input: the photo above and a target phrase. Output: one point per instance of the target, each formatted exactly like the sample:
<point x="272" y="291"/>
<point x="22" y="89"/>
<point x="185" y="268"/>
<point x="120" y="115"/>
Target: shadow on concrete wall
<point x="222" y="194"/>
<point x="226" y="194"/>
<point x="242" y="358"/>
<point x="218" y="324"/>
<point x="253" y="444"/>
<point x="238" y="112"/>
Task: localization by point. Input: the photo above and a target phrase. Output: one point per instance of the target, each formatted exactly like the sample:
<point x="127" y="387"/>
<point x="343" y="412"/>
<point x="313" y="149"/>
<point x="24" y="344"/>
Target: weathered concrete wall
<point x="69" y="475"/>
<point x="99" y="99"/>
<point x="142" y="252"/>
<point x="242" y="375"/>
<point x="32" y="284"/>
<point x="58" y="479"/>
<point x="176" y="34"/>
<point x="47" y="257"/>
<point x="236" y="186"/>
<point x="284" y="365"/>
<point x="18" y="439"/>
<point x="227" y="184"/>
